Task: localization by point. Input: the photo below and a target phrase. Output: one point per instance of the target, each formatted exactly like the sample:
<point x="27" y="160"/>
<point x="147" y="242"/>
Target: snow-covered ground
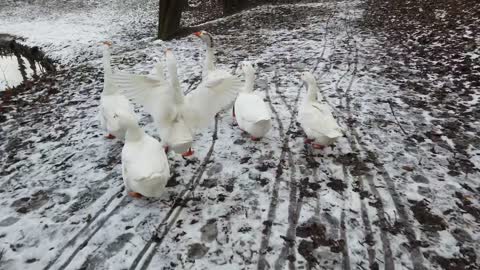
<point x="393" y="194"/>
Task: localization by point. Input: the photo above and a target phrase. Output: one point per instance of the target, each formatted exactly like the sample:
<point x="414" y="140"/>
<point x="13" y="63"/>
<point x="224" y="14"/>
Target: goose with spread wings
<point x="176" y="115"/>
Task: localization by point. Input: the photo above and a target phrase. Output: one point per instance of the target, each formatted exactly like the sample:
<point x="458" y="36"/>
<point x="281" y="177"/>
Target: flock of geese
<point x="145" y="167"/>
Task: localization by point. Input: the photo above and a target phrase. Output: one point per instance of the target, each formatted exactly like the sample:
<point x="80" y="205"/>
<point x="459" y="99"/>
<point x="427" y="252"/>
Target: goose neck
<point x="249" y="83"/>
<point x="134" y="133"/>
<point x="312" y="92"/>
<point x="210" y="59"/>
<point x="107" y="68"/>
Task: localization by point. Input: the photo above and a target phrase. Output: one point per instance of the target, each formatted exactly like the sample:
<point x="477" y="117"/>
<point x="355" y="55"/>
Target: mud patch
<point x="196" y="251"/>
<point x="84" y="199"/>
<point x="209" y="231"/>
<point x="9" y="221"/>
<point x="28" y="204"/>
<point x="422" y="212"/>
<point x="357" y="166"/>
<point x="337" y="185"/>
<point x="317" y="233"/>
<point x="420" y="179"/>
<point x="467" y="205"/>
<point x="466" y="260"/>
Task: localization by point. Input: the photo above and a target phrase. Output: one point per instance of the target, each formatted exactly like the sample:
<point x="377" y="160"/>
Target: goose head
<point x="206" y="37"/>
<point x="127" y="120"/>
<point x="312" y="87"/>
<point x="106" y="44"/>
<point x="247" y="67"/>
<point x="107" y="47"/>
<point x="308" y="78"/>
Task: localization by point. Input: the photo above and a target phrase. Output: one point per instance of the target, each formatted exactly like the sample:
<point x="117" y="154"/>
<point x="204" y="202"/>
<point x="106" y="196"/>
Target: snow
<point x="244" y="204"/>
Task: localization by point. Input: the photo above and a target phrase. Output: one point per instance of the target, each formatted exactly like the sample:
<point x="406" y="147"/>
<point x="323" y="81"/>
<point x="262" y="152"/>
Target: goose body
<point x="145" y="167"/>
<point x="178" y="116"/>
<point x="250" y="111"/>
<point x="316" y="117"/>
<point x="112" y="103"/>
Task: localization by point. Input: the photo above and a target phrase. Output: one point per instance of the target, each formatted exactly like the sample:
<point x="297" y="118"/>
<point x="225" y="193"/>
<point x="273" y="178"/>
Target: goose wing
<point x="153" y="93"/>
<point x="216" y="91"/>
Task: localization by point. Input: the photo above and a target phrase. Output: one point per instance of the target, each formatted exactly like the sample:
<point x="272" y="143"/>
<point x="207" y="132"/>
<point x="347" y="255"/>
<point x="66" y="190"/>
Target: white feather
<point x="216" y="91"/>
<point x="152" y="93"/>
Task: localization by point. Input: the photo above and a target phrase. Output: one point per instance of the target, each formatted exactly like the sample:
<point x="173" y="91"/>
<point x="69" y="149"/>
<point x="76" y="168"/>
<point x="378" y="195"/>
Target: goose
<point x="145" y="168"/>
<point x="112" y="102"/>
<point x="250" y="111"/>
<point x="209" y="64"/>
<point x="316" y="117"/>
<point x="176" y="115"/>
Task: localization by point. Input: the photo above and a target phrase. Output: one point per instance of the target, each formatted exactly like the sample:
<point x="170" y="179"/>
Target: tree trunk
<point x="169" y="17"/>
<point x="232" y="6"/>
<point x="229" y="6"/>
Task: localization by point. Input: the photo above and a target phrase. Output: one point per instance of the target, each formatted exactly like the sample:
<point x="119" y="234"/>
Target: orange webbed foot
<point x="110" y="137"/>
<point x="188" y="153"/>
<point x="318" y="146"/>
<point x="135" y="195"/>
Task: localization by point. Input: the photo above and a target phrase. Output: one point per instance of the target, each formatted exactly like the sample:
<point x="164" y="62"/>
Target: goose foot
<point x="308" y="141"/>
<point x="188" y="153"/>
<point x="254" y="138"/>
<point x="135" y="195"/>
<point x="110" y="137"/>
<point x="318" y="146"/>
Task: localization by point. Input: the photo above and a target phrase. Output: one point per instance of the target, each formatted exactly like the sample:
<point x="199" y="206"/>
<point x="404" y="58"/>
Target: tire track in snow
<point x="293" y="207"/>
<point x="357" y="144"/>
<point x="364" y="214"/>
<point x="85" y="228"/>
<point x="345" y="251"/>
<point x="122" y="203"/>
<point x="296" y="204"/>
<point x="149" y="250"/>
<point x="386" y="246"/>
<point x="343" y="233"/>
<point x="368" y="229"/>
<point x="100" y="224"/>
<point x="262" y="264"/>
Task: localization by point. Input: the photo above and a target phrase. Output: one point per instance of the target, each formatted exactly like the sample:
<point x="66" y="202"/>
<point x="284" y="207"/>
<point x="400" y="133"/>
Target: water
<point x="19" y="63"/>
<point x="14" y="70"/>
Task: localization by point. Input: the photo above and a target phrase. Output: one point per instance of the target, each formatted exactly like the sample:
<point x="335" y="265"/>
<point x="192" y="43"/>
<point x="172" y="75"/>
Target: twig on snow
<point x="396" y="119"/>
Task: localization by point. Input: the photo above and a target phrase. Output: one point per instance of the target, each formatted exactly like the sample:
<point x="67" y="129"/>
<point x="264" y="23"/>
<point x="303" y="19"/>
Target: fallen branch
<point x="396" y="119"/>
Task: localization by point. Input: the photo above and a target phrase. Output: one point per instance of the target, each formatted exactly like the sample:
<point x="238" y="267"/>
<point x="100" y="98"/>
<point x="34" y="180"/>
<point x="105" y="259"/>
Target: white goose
<point x="176" y="115"/>
<point x="250" y="111"/>
<point x="112" y="103"/>
<point x="316" y="117"/>
<point x="145" y="168"/>
<point x="209" y="64"/>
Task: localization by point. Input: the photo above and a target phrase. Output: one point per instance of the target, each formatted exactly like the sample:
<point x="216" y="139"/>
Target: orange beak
<point x="198" y="34"/>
